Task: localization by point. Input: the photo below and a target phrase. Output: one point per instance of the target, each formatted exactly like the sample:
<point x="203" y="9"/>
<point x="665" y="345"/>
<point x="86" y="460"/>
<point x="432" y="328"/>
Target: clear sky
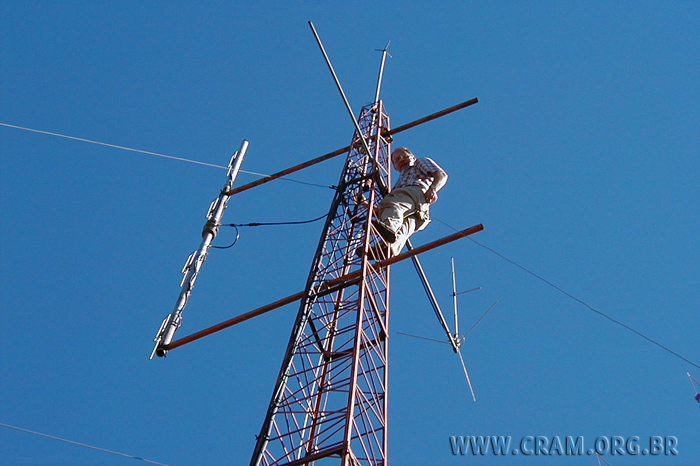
<point x="581" y="160"/>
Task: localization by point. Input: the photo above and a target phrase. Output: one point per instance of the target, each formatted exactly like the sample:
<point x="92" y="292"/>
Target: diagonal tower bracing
<point x="329" y="405"/>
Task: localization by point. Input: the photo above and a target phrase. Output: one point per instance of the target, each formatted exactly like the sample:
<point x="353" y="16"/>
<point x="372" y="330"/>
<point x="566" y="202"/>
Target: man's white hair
<point x="405" y="149"/>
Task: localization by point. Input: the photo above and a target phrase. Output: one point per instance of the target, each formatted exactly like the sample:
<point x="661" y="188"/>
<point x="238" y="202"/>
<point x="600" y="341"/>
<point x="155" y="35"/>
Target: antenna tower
<point x="329" y="404"/>
<point x="330" y="396"/>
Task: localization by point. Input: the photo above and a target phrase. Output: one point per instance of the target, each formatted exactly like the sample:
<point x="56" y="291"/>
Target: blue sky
<point x="581" y="160"/>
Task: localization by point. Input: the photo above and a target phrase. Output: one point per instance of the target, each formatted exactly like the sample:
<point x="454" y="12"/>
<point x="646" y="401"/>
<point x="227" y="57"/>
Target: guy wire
<point x="181" y="159"/>
<point x="82" y="444"/>
<point x="580" y="301"/>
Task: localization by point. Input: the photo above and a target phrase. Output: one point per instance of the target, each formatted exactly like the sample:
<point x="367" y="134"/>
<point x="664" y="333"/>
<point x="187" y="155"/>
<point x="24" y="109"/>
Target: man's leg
<point x="393" y="208"/>
<point x="407" y="229"/>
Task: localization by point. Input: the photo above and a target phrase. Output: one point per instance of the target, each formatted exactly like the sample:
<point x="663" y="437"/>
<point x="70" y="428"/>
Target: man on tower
<point x="406" y="209"/>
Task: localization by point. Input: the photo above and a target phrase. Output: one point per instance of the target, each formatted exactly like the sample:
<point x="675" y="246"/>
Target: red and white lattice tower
<point x="329" y="405"/>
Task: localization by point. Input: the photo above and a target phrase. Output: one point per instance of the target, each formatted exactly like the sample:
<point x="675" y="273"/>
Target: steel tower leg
<point x="329" y="405"/>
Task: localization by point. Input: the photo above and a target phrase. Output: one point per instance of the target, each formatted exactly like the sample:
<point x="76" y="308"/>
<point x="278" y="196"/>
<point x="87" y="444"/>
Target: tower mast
<point x="330" y="395"/>
<point x="330" y="398"/>
<point x="329" y="404"/>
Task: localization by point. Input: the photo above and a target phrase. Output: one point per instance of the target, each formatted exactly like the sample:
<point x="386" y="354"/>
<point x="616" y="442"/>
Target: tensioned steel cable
<point x="82" y="444"/>
<point x="157" y="154"/>
<point x="578" y="300"/>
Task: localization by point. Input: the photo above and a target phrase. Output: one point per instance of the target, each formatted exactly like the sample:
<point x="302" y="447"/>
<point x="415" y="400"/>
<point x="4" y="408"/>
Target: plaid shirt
<point x="418" y="174"/>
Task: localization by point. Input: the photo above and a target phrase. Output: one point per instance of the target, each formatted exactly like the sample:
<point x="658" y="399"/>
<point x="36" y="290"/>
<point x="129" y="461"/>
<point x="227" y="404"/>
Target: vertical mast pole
<point x="340" y="89"/>
<point x="194" y="262"/>
<point x="378" y="106"/>
<point x="381" y="72"/>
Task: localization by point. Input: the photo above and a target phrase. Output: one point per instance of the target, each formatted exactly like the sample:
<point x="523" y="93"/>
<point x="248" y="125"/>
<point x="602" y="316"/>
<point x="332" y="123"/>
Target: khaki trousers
<point x="400" y="210"/>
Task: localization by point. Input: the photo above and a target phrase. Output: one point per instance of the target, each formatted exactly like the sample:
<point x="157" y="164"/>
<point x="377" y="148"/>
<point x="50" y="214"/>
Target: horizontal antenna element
<point x="326" y="288"/>
<point x="345" y="149"/>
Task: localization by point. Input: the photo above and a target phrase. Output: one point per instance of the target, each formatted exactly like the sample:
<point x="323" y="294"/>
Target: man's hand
<point x="430" y="195"/>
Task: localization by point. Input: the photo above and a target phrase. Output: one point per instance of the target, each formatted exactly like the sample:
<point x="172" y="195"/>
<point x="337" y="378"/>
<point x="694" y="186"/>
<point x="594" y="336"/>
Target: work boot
<point x="375" y="252"/>
<point x="384" y="231"/>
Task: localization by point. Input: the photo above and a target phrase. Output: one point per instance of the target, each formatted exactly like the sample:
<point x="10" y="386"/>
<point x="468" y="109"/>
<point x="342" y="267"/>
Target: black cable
<point x="256" y="224"/>
<point x="232" y="244"/>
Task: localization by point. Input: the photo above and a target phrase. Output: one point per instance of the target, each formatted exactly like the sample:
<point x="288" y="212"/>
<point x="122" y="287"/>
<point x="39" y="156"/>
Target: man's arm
<point x="439" y="179"/>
